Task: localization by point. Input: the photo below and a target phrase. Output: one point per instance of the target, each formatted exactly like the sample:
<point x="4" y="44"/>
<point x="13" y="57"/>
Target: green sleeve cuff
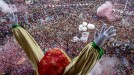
<point x="15" y="26"/>
<point x="100" y="50"/>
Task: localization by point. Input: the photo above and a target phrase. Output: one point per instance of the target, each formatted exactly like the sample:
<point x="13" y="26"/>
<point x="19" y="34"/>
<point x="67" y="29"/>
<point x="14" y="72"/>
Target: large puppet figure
<point x="56" y="61"/>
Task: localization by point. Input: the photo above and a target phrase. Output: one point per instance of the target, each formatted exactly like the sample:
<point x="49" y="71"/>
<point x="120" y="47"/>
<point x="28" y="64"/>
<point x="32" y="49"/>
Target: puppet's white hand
<point x="13" y="18"/>
<point x="101" y="37"/>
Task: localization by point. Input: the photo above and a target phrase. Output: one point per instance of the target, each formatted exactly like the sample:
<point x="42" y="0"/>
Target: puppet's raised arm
<point x="27" y="42"/>
<point x="88" y="57"/>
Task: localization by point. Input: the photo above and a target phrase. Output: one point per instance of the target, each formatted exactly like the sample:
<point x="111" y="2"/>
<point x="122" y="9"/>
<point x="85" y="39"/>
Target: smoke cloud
<point x="105" y="66"/>
<point x="4" y="7"/>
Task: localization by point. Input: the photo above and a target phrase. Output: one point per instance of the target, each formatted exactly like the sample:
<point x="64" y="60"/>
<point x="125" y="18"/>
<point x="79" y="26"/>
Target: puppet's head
<point x="53" y="63"/>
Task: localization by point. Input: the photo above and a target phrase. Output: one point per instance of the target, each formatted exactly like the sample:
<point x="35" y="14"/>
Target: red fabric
<point x="53" y="63"/>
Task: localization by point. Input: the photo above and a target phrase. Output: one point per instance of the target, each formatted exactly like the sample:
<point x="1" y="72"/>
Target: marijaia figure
<point x="56" y="61"/>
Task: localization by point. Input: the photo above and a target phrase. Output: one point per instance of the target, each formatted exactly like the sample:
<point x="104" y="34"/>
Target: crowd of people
<point x="54" y="23"/>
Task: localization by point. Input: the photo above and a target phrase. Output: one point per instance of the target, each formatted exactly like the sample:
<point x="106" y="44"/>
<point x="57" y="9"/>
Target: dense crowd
<point x="54" y="24"/>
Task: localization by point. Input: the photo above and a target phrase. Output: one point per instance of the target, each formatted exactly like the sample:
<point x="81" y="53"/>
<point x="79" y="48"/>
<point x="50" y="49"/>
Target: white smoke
<point x="4" y="7"/>
<point x="105" y="66"/>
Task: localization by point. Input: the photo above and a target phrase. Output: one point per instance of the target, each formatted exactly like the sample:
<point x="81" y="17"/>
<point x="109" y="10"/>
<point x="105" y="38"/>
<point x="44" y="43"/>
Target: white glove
<point x="101" y="37"/>
<point x="13" y="18"/>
